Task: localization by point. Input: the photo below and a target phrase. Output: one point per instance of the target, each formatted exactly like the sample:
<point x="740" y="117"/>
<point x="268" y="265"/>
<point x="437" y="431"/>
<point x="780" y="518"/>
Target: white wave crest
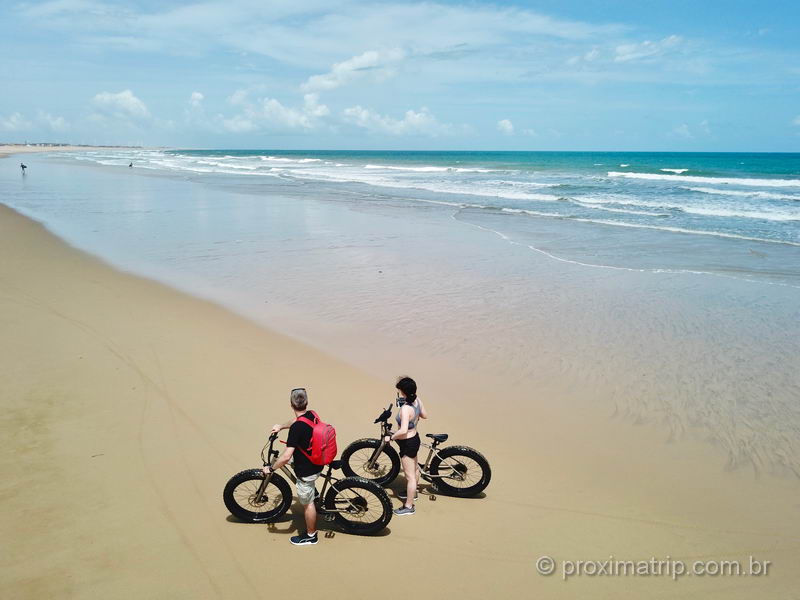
<point x="765" y="213"/>
<point x="621" y="210"/>
<point x="432" y="169"/>
<point x="742" y="193"/>
<point x="284" y="160"/>
<point x="409" y="169"/>
<point x="718" y="180"/>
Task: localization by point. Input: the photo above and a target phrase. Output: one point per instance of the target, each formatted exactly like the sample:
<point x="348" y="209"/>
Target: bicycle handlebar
<point x="384" y="416"/>
<point x="270" y="443"/>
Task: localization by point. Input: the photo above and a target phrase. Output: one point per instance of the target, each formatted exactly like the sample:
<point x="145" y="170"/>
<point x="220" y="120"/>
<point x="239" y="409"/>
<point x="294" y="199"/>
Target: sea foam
<point x="718" y="180"/>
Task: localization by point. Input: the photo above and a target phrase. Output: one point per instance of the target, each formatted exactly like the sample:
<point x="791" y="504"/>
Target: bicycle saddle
<point x="439" y="437"/>
<point x="336" y="465"/>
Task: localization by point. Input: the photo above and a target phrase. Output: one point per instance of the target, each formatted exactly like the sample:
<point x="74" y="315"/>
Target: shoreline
<point x="122" y="386"/>
<point x="663" y="366"/>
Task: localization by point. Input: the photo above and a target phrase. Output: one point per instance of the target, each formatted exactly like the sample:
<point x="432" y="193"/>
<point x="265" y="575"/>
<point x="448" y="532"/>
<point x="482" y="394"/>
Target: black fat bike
<point x="453" y="470"/>
<point x="356" y="504"/>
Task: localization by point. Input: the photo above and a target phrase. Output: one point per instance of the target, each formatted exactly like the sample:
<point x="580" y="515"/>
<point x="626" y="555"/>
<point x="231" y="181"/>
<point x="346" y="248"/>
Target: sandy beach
<point x="127" y="405"/>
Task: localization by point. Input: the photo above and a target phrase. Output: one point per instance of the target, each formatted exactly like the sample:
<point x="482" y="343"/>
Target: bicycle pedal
<point x="329" y="518"/>
<point x="330" y="534"/>
<point x="432" y="497"/>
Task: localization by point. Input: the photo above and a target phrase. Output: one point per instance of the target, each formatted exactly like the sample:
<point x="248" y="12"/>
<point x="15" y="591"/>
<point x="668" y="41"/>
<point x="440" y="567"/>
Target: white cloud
<point x="448" y="56"/>
<point x="302" y="33"/>
<point x="313" y="108"/>
<point x="238" y="124"/>
<point x="269" y="113"/>
<point x="420" y="122"/>
<point x="55" y="8"/>
<point x="796" y="120"/>
<point x="14" y="122"/>
<point x="590" y="56"/>
<point x="646" y="49"/>
<point x="238" y="97"/>
<point x="682" y="131"/>
<point x="196" y="99"/>
<point x="195" y="113"/>
<point x="505" y="127"/>
<point x="57" y="124"/>
<point x="372" y="64"/>
<point x="122" y="105"/>
<point x="44" y="120"/>
<point x="705" y="127"/>
<point x="530" y="132"/>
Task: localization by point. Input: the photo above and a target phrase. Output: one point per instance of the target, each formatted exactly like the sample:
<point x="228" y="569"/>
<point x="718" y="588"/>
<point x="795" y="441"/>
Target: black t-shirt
<point x="300" y="437"/>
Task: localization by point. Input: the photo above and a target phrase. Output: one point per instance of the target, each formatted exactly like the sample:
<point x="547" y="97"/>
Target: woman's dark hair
<point x="408" y="386"/>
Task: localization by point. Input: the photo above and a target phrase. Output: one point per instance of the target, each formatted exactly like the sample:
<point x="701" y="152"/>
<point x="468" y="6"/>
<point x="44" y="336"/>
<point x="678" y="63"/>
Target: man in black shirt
<point x="307" y="472"/>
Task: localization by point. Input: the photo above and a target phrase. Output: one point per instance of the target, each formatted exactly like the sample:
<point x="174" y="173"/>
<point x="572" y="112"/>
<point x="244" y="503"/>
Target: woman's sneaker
<point x="303" y="540"/>
<point x="404" y="510"/>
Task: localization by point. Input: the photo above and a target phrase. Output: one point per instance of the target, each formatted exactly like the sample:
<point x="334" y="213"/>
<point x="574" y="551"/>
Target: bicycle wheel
<point x="356" y="456"/>
<point x="359" y="506"/>
<point x="240" y="496"/>
<point x="460" y="471"/>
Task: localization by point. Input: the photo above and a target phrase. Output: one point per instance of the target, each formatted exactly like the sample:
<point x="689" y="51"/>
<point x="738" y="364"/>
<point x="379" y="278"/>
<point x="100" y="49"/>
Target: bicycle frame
<point x="270" y="458"/>
<point x="386" y="429"/>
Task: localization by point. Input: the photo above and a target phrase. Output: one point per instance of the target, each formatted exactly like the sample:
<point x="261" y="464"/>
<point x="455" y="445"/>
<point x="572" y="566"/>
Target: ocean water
<point x="750" y="199"/>
<point x="664" y="288"/>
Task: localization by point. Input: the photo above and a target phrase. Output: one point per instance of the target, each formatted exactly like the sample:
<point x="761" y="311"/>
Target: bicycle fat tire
<point x="361" y="493"/>
<point x="355" y="456"/>
<point x="240" y="491"/>
<point x="451" y="455"/>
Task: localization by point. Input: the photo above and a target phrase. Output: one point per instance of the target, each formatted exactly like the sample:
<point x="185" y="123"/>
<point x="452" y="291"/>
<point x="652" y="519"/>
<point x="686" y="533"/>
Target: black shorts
<point x="409" y="447"/>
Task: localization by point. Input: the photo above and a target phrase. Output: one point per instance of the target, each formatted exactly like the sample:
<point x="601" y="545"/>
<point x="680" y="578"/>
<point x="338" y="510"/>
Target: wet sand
<point x="127" y="405"/>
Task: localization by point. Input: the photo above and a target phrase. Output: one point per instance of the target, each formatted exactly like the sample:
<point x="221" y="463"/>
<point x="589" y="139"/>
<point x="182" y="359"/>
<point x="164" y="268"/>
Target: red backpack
<point x="323" y="441"/>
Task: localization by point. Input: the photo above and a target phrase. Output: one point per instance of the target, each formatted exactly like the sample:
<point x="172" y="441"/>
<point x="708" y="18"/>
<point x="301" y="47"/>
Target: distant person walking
<point x="23" y="167"/>
<point x="130" y="166"/>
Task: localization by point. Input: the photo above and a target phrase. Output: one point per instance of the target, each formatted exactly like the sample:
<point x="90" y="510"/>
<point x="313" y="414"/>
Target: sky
<point x="358" y="74"/>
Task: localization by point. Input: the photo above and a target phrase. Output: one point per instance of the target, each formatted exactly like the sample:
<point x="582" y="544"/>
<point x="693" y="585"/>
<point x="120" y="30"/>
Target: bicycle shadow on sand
<point x="426" y="492"/>
<point x="293" y="522"/>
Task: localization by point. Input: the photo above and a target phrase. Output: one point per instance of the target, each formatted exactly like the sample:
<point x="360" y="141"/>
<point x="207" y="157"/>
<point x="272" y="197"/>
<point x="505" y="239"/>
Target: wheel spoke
<point x="245" y="496"/>
<point x="460" y="471"/>
<point x="359" y="505"/>
<point x="359" y="462"/>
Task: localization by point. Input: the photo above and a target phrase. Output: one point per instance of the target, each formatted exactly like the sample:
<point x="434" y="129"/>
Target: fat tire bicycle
<point x="453" y="470"/>
<point x="357" y="505"/>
